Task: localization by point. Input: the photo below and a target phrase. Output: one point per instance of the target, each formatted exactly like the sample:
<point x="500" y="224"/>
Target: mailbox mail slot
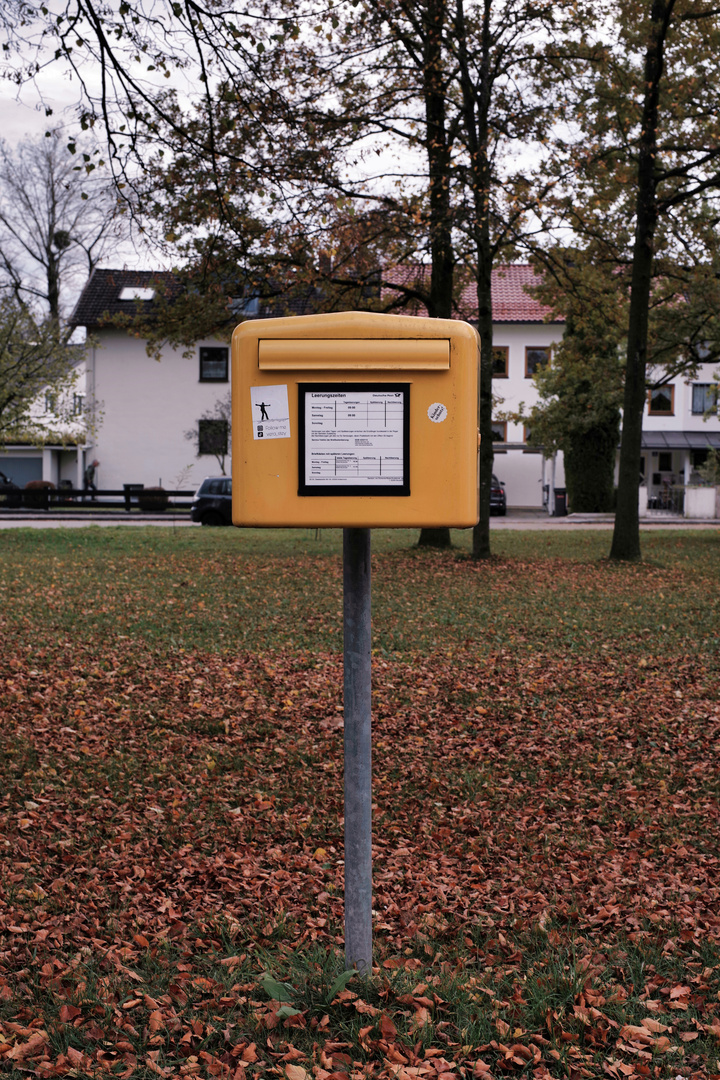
<point x="355" y="419"/>
<point x="313" y="354"/>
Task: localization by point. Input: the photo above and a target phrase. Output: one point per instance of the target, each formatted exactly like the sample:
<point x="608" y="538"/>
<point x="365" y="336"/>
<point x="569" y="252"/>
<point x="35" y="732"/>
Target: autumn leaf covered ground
<point x="546" y="812"/>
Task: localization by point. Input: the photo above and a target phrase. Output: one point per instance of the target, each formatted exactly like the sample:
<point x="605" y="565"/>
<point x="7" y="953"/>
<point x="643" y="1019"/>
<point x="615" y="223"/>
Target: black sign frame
<point x="353" y="490"/>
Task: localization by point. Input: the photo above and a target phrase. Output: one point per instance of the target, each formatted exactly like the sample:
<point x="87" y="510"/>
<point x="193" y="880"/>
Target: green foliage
<point x="580" y="390"/>
<point x="590" y="468"/>
<point x="636" y="178"/>
<point x="35" y="358"/>
<point x="275" y="990"/>
<point x="710" y="469"/>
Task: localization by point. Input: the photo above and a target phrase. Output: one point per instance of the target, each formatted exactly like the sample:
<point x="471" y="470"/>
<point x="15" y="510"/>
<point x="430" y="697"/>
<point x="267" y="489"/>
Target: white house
<point x="145" y="406"/>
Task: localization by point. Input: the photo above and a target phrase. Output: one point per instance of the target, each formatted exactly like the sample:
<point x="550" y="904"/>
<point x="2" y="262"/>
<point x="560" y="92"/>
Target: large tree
<point x="268" y="150"/>
<point x="637" y="179"/>
<point x="58" y="219"/>
<point x="506" y="102"/>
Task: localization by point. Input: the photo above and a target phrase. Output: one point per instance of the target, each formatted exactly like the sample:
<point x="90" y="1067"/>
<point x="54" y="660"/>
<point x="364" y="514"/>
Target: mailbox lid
<point x="358" y="354"/>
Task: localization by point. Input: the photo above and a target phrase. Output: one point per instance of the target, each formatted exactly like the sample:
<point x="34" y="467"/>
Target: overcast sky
<point x="20" y="107"/>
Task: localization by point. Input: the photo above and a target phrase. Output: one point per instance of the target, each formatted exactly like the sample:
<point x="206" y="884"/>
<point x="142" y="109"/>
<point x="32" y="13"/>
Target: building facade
<point x="143" y="408"/>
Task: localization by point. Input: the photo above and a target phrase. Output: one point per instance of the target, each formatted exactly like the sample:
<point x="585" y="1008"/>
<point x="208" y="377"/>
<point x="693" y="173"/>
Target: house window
<point x="78" y="404"/>
<point x="214" y="364"/>
<point x="535" y="358"/>
<point x="704" y="398"/>
<point x="698" y="458"/>
<point x="50" y="401"/>
<point x="499" y="431"/>
<point x="500" y="362"/>
<point x="212" y="437"/>
<point x="665" y="461"/>
<point x="661" y="401"/>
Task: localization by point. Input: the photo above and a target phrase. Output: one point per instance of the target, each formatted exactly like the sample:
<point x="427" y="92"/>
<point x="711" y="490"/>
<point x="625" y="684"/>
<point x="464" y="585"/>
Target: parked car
<point x="498" y="499"/>
<point x="212" y="504"/>
<point x="10" y="496"/>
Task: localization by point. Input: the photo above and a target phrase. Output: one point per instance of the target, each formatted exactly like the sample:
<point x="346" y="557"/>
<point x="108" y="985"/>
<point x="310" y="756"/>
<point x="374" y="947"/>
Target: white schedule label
<point x="354" y="438"/>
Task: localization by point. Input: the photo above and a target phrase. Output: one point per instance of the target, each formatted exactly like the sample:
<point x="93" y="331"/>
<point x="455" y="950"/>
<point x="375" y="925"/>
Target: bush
<point x="710" y="470"/>
<point x="35" y="496"/>
<point x="153" y="500"/>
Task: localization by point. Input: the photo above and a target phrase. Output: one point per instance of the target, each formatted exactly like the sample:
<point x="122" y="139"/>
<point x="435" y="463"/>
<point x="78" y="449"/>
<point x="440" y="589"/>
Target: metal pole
<point x="358" y="766"/>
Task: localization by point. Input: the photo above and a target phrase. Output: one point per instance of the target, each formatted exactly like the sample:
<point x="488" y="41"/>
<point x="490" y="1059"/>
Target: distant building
<point x="144" y="407"/>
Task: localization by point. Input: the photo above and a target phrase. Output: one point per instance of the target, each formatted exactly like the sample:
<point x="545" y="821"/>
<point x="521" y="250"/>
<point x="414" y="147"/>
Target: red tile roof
<point x="511" y="302"/>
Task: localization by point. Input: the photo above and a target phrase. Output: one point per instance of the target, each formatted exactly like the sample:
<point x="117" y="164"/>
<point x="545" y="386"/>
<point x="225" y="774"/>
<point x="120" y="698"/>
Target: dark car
<point x="498" y="499"/>
<point x="10" y="496"/>
<point x="212" y="504"/>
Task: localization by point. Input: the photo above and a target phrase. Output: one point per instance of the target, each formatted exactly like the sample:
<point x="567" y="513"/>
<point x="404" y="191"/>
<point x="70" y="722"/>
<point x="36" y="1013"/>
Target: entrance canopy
<point x="680" y="440"/>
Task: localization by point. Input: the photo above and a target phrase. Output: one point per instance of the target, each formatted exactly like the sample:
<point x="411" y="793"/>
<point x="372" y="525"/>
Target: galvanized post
<point x="358" y="766"/>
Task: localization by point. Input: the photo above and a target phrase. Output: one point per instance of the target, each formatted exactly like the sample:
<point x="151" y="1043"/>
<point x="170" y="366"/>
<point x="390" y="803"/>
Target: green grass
<point x="223" y="589"/>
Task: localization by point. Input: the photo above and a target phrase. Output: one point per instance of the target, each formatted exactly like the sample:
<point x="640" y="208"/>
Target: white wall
<point x="520" y="468"/>
<point x="145" y="407"/>
<point x="682" y="420"/>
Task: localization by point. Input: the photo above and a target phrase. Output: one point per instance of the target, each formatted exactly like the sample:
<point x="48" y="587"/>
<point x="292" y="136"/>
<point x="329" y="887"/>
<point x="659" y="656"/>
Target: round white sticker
<point x="437" y="412"/>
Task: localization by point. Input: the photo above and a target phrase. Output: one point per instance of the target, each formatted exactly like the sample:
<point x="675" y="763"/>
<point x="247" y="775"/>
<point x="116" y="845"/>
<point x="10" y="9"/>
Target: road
<point x="515" y="519"/>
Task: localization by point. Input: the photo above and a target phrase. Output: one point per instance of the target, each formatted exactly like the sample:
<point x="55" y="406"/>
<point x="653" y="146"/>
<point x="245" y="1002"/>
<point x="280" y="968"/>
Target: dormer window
<point x="134" y="292"/>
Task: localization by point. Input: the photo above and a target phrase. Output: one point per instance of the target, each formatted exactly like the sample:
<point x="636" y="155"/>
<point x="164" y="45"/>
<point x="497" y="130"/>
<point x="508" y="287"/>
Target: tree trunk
<point x="438" y="151"/>
<point x="476" y="112"/>
<point x="590" y="468"/>
<point x="626" y="535"/>
<point x="435" y="538"/>
<point x="481" y="532"/>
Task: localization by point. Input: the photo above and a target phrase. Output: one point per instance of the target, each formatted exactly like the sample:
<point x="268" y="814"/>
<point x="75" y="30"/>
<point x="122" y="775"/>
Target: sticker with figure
<point x="270" y="412"/>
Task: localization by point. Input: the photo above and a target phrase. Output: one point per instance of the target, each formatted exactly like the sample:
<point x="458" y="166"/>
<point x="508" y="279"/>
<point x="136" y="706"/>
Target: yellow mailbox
<point x="355" y="420"/>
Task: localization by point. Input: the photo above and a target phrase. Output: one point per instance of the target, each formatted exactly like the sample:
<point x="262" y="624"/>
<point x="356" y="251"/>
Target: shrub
<point x="153" y="500"/>
<point x="35" y="496"/>
<point x="710" y="470"/>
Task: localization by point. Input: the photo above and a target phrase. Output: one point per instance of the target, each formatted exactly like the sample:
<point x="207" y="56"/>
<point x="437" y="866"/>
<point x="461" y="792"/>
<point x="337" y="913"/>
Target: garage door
<point x="21" y="469"/>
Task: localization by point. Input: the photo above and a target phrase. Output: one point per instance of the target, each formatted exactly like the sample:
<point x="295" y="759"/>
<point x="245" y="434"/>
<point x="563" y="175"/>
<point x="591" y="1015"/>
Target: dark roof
<point x="100" y="299"/>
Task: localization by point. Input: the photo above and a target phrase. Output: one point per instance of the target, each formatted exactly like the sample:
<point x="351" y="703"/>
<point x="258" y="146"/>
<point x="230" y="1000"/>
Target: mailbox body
<point x="355" y="419"/>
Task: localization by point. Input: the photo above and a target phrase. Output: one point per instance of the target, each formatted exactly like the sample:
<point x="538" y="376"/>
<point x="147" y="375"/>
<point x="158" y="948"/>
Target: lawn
<point x="546" y="811"/>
